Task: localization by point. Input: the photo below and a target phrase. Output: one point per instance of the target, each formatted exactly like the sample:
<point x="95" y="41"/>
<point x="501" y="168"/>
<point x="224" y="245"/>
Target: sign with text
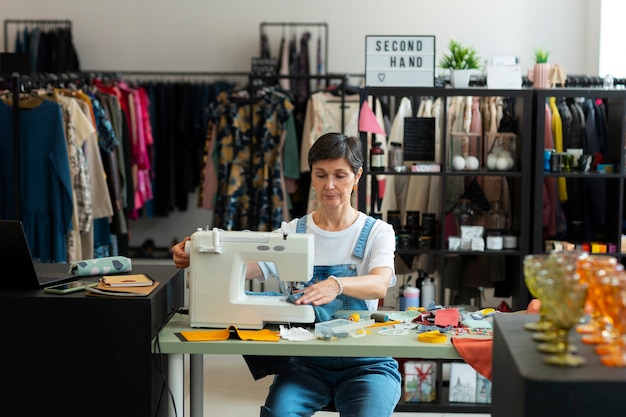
<point x="400" y="61"/>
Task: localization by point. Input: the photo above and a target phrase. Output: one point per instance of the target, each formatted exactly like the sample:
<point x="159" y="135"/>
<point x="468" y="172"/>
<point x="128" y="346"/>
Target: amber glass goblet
<point x="533" y="265"/>
<point x="564" y="297"/>
<point x="609" y="285"/>
<point x="615" y="293"/>
<point x="595" y="331"/>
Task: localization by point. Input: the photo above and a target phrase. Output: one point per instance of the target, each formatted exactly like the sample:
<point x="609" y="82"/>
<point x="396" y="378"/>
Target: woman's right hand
<point x="180" y="257"/>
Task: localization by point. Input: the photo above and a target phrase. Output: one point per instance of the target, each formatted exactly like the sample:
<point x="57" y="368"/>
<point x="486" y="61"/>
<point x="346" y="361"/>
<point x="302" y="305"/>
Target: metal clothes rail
<point x="46" y="23"/>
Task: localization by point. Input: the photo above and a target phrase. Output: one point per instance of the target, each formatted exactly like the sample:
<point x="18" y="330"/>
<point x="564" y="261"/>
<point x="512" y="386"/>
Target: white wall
<point x="210" y="35"/>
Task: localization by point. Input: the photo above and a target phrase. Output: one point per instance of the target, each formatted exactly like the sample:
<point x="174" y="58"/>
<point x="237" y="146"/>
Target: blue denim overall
<point x="359" y="387"/>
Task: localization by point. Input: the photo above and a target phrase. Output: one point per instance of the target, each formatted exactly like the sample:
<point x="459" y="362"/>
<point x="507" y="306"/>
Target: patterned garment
<point x="248" y="145"/>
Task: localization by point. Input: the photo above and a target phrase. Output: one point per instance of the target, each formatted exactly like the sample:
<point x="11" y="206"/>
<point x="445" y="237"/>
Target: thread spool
<point x="354" y="317"/>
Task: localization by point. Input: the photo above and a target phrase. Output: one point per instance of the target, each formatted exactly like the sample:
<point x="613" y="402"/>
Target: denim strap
<point x="359" y="248"/>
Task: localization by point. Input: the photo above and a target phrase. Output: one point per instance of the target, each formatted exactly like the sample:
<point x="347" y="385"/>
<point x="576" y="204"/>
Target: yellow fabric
<point x="263" y="335"/>
<point x="557" y="133"/>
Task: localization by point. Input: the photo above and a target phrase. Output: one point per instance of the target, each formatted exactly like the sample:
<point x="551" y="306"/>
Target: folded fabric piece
<point x="100" y="266"/>
<point x="447" y="317"/>
<point x="263" y="335"/>
<point x="476" y="324"/>
<point x="475" y="352"/>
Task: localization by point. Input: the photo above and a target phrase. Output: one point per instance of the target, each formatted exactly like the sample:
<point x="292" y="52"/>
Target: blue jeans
<point x="359" y="387"/>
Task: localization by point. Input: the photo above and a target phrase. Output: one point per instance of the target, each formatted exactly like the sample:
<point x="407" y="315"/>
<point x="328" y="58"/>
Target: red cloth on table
<point x="475" y="352"/>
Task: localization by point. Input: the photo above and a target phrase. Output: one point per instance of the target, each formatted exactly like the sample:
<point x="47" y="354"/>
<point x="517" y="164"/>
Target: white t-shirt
<point x="335" y="248"/>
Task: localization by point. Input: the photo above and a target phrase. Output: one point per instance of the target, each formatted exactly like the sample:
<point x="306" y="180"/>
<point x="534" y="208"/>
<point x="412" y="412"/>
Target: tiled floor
<point x="230" y="390"/>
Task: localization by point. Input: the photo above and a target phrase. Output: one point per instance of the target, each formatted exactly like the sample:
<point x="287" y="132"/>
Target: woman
<point x="354" y="261"/>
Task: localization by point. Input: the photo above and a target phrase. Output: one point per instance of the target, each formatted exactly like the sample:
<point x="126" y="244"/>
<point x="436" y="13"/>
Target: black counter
<point x="79" y="355"/>
<point x="524" y="386"/>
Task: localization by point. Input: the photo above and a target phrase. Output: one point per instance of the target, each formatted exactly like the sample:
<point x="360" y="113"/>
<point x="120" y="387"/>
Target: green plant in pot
<point x="460" y="59"/>
<point x="541" y="56"/>
<point x="539" y="73"/>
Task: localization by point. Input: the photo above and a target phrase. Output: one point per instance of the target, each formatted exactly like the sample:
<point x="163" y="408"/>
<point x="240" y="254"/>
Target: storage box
<point x="483" y="389"/>
<point x="500" y="151"/>
<point x="504" y="76"/>
<point x="340" y="328"/>
<point x="462" y="383"/>
<point x="420" y="381"/>
<point x="465" y="151"/>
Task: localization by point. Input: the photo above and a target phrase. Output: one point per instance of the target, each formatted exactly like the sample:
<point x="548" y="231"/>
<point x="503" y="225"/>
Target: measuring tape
<point x="432" y="336"/>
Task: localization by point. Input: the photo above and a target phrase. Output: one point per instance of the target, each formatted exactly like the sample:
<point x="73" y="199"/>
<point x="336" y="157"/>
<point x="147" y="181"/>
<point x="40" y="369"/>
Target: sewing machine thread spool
<point x="354" y="317"/>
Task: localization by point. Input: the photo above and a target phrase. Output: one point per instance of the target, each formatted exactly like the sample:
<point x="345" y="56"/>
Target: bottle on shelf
<point x="410" y="297"/>
<point x="463" y="214"/>
<point x="396" y="157"/>
<point x="377" y="157"/>
<point x="428" y="292"/>
<point x="496" y="219"/>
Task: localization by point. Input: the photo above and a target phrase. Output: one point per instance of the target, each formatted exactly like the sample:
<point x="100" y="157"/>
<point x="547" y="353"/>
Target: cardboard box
<point x="420" y="381"/>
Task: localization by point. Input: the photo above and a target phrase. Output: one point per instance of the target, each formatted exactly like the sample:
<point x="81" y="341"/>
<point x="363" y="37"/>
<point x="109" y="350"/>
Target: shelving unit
<point x="606" y="198"/>
<point x="519" y="181"/>
<point x="520" y="185"/>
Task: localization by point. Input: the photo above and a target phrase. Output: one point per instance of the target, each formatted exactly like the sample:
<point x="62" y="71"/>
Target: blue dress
<point x="45" y="184"/>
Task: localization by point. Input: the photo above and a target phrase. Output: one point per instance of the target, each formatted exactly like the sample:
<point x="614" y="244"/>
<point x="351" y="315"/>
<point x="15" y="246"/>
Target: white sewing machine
<point x="217" y="282"/>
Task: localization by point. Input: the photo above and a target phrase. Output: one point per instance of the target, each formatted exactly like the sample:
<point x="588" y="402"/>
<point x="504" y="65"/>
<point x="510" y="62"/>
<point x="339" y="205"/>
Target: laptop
<point x="15" y="255"/>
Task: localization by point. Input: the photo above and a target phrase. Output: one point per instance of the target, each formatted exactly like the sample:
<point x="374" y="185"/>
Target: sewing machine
<point x="217" y="282"/>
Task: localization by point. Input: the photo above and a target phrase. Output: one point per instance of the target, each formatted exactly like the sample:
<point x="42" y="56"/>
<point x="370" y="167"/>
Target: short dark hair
<point x="332" y="146"/>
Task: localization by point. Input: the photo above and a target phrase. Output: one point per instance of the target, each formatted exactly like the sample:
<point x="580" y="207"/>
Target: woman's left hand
<point x="322" y="292"/>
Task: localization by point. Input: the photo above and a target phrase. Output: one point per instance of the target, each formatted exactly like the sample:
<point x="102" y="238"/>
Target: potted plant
<point x="460" y="59"/>
<point x="539" y="74"/>
<point x="541" y="56"/>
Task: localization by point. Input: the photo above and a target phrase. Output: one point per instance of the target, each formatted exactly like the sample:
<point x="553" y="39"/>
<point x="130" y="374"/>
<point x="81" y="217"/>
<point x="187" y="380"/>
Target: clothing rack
<point x="283" y="25"/>
<point x="19" y="80"/>
<point x="65" y="24"/>
<point x="173" y="73"/>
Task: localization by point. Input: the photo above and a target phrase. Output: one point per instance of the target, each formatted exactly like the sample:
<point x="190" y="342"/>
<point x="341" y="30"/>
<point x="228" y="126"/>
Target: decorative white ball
<point x="491" y="161"/>
<point x="496" y="149"/>
<point x="458" y="163"/>
<point x="505" y="154"/>
<point x="472" y="163"/>
<point x="502" y="164"/>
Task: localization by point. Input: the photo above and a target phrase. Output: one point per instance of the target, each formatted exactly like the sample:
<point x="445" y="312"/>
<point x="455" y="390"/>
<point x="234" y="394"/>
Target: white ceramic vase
<point x="460" y="78"/>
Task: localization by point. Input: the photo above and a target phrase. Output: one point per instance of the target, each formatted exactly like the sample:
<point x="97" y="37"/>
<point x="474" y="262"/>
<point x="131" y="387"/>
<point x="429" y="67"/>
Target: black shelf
<point x="520" y="179"/>
<point x="520" y="184"/>
<point x="611" y="203"/>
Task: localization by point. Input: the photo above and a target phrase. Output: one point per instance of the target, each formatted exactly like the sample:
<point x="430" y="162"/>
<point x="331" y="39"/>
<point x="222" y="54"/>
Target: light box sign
<point x="399" y="61"/>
